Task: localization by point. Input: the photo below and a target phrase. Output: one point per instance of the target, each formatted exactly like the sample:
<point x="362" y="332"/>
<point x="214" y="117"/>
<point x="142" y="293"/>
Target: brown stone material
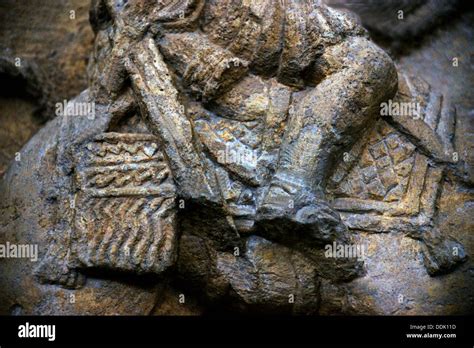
<point x="253" y="156"/>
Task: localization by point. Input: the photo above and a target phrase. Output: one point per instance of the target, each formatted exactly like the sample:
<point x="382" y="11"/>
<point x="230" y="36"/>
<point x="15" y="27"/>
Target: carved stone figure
<point x="229" y="142"/>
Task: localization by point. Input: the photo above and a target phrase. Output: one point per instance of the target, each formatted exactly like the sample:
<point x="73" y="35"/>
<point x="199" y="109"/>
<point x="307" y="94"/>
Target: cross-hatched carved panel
<point x="384" y="183"/>
<point x="383" y="170"/>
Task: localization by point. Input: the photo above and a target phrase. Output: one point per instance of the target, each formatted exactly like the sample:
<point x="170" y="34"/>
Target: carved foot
<point x="290" y="209"/>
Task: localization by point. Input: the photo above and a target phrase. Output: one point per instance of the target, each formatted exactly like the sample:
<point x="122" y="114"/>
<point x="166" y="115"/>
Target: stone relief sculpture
<point x="229" y="143"/>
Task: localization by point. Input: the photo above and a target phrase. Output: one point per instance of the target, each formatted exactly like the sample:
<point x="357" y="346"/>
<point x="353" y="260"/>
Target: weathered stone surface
<point x="261" y="276"/>
<point x="44" y="52"/>
<point x="240" y="156"/>
<point x="399" y="18"/>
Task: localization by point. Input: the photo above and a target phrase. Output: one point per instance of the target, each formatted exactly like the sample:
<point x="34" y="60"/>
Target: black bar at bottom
<point x="425" y="330"/>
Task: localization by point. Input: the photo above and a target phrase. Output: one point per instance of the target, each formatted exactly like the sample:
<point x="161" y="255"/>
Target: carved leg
<point x="158" y="100"/>
<point x="325" y="121"/>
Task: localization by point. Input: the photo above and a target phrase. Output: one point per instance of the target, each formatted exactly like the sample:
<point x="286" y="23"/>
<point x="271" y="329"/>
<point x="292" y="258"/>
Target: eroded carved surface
<point x="232" y="142"/>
